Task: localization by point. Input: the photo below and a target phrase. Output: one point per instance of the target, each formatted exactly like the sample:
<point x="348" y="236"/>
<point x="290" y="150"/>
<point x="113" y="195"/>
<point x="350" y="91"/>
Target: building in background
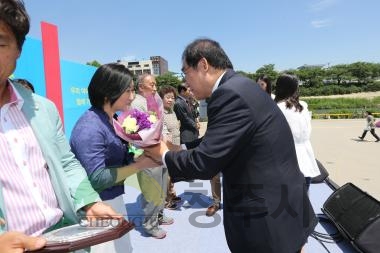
<point x="156" y="65"/>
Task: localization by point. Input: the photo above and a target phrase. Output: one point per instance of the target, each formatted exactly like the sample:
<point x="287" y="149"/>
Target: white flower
<point x="152" y="118"/>
<point x="130" y="125"/>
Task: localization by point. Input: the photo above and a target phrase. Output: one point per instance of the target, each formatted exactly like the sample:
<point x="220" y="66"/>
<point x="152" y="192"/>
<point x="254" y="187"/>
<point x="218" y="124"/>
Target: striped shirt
<point x="30" y="202"/>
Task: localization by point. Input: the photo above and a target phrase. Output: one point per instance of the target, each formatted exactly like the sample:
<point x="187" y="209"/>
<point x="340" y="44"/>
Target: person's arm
<point x="104" y="178"/>
<point x="372" y="122"/>
<point x="16" y="242"/>
<point x="229" y="128"/>
<point x="90" y="144"/>
<point x="81" y="191"/>
<point x="100" y="210"/>
<point x="66" y="171"/>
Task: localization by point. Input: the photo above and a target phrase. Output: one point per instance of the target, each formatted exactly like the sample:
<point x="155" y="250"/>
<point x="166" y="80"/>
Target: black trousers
<point x="372" y="131"/>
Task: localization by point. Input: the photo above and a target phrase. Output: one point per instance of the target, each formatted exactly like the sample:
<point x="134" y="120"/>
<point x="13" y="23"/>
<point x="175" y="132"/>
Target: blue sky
<point x="287" y="33"/>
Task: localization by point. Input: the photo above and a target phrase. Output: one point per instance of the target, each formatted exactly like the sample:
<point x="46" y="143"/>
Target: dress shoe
<point x="211" y="210"/>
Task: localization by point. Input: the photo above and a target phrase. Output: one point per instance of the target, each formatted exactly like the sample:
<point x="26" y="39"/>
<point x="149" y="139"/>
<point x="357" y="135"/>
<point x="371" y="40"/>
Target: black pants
<point x="372" y="132"/>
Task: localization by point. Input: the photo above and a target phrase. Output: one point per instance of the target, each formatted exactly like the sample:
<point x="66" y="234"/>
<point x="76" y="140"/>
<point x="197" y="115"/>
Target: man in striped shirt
<point x="42" y="184"/>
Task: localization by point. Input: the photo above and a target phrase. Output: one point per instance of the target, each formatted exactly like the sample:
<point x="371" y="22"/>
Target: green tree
<point x="375" y="70"/>
<point x="267" y="70"/>
<point x="94" y="63"/>
<point x="362" y="71"/>
<point x="249" y="75"/>
<point x="338" y="73"/>
<point x="168" y="78"/>
<point x="311" y="76"/>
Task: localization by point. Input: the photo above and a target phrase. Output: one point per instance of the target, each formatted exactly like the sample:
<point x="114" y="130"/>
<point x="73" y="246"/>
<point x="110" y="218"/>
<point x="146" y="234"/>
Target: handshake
<point x="156" y="152"/>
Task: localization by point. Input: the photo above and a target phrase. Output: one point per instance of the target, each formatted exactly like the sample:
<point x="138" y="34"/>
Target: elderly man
<point x="152" y="181"/>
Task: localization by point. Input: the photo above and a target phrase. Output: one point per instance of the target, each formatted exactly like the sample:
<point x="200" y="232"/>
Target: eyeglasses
<point x="169" y="97"/>
<point x="184" y="69"/>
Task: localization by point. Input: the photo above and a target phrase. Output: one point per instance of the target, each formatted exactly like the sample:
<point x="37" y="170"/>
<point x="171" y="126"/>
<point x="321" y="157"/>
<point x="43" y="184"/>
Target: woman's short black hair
<point x="108" y="83"/>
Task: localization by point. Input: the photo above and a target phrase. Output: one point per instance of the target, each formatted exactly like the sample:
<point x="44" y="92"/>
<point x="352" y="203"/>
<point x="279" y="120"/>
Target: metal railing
<point x="341" y="115"/>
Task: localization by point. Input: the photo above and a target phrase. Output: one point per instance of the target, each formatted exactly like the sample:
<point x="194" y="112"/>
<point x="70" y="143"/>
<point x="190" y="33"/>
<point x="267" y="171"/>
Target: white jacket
<point x="300" y="124"/>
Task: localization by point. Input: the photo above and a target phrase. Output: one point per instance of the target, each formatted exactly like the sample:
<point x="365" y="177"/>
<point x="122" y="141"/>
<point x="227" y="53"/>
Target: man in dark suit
<point x="189" y="127"/>
<point x="266" y="207"/>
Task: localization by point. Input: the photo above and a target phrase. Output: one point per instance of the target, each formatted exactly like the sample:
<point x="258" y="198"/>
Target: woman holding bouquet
<point x="96" y="145"/>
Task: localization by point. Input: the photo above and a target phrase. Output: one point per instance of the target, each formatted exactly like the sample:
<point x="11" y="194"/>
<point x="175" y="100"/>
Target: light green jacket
<point x="69" y="179"/>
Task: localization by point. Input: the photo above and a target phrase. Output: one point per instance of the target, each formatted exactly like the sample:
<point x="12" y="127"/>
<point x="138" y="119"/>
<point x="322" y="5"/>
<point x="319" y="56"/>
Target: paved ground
<point x="347" y="159"/>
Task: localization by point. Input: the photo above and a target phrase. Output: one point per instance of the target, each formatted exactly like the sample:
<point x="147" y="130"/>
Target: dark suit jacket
<point x="266" y="207"/>
<point x="188" y="127"/>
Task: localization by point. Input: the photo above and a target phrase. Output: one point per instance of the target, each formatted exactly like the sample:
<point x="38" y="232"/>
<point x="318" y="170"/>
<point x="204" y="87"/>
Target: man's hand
<point x="156" y="151"/>
<point x="16" y="242"/>
<point x="172" y="147"/>
<point x="144" y="162"/>
<point x="102" y="211"/>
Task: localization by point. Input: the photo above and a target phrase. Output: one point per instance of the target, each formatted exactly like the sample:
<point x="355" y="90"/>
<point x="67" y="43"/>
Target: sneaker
<point x="361" y="138"/>
<point x="186" y="204"/>
<point x="165" y="220"/>
<point x="171" y="206"/>
<point x="157" y="233"/>
<point x="177" y="199"/>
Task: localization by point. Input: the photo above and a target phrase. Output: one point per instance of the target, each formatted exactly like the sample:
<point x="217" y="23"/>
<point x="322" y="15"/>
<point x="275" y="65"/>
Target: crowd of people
<point x="257" y="142"/>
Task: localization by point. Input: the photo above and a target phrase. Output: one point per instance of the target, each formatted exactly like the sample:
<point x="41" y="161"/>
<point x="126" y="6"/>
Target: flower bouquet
<point x="141" y="128"/>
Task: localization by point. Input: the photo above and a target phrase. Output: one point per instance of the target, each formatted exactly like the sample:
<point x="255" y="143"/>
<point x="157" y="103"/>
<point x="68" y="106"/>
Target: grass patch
<point x="353" y="106"/>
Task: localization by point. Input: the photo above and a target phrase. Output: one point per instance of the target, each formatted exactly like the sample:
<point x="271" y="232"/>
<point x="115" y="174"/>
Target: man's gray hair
<point x="141" y="78"/>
